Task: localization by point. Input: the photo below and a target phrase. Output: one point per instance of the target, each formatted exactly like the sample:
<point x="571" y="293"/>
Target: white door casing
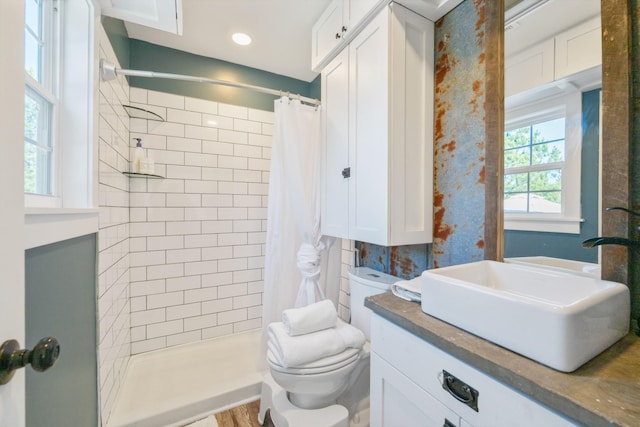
<point x="12" y="314"/>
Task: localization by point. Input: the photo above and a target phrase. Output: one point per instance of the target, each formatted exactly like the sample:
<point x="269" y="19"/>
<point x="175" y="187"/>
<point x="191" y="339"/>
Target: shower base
<point x="178" y="385"/>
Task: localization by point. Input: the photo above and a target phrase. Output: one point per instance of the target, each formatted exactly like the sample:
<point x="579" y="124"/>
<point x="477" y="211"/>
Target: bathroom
<point x="124" y="210"/>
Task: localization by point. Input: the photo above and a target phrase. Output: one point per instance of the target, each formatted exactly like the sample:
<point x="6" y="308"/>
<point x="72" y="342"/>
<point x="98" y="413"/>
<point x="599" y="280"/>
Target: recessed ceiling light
<point x="241" y="38"/>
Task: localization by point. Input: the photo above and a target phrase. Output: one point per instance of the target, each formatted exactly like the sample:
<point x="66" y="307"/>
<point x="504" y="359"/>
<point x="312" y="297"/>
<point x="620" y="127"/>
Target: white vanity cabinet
<point x="332" y="29"/>
<point x="377" y="158"/>
<point x="398" y="401"/>
<point x="407" y="376"/>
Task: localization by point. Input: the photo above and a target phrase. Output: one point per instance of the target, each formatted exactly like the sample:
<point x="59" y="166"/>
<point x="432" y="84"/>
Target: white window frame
<point x="49" y="90"/>
<point x="75" y="212"/>
<point x="570" y="107"/>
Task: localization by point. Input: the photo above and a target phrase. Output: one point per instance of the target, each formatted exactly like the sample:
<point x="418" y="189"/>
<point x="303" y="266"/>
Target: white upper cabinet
<point x="326" y="33"/>
<point x="578" y="49"/>
<point x="356" y="10"/>
<point x="335" y="27"/>
<point x="343" y="20"/>
<point x="335" y="148"/>
<point x="566" y="56"/>
<point x="529" y="69"/>
<point x="165" y="15"/>
<point x="377" y="99"/>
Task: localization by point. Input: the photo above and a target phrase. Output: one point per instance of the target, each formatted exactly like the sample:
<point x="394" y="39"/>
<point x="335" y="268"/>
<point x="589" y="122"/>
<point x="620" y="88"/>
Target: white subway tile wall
<point x="347" y="261"/>
<point x="113" y="239"/>
<point x="197" y="236"/>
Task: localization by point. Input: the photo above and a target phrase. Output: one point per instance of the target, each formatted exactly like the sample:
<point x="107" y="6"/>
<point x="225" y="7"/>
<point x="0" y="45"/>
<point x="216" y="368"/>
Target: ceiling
<point x="280" y="29"/>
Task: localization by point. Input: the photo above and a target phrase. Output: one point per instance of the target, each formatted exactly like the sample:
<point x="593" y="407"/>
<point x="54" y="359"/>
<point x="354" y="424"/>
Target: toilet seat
<point x="326" y="364"/>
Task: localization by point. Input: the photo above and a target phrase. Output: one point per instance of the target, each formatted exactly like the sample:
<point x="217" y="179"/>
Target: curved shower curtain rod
<point x="108" y="71"/>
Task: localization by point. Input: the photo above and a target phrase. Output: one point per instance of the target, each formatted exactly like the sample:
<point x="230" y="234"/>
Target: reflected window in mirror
<point x="542" y="147"/>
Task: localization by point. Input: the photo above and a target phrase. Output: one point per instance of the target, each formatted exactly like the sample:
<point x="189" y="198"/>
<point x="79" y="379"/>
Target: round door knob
<point x="42" y="357"/>
<point x="44" y="354"/>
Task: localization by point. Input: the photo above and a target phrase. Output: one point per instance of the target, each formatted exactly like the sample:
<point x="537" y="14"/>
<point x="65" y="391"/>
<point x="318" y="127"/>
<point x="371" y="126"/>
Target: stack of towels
<point x="310" y="333"/>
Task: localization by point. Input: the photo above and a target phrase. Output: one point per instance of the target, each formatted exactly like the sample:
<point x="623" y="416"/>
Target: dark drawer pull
<point x="448" y="423"/>
<point x="460" y="390"/>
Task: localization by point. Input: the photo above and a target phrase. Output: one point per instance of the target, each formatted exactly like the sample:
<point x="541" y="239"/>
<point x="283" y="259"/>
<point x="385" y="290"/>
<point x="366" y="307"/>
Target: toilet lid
<point x="325" y="364"/>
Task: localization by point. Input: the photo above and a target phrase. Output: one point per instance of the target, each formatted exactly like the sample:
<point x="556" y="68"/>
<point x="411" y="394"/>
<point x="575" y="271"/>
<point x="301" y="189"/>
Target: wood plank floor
<point x="243" y="416"/>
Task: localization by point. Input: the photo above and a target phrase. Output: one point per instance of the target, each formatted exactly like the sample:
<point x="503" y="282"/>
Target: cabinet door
<point x="410" y="146"/>
<point x="326" y="33"/>
<point x="355" y="11"/>
<point x="396" y="401"/>
<point x="368" y="132"/>
<point x="335" y="149"/>
<point x="530" y="68"/>
<point x="578" y="49"/>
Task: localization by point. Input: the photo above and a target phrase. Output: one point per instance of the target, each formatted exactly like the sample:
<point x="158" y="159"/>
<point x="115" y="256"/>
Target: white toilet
<point x="321" y="383"/>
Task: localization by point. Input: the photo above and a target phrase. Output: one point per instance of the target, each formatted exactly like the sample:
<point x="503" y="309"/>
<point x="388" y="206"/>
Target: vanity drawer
<point x="423" y="363"/>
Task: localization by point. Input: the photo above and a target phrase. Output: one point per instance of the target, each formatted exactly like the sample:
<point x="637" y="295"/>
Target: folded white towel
<point x="314" y="317"/>
<point x="410" y="290"/>
<point x="301" y="349"/>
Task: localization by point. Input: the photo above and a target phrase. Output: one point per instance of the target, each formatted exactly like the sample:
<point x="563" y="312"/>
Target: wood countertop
<point x="603" y="392"/>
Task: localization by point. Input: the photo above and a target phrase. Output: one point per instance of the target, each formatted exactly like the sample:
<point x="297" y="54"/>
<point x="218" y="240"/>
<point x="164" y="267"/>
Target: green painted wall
<point x="140" y="55"/>
<point x="147" y="56"/>
<point x="60" y="295"/>
<point x="118" y="37"/>
<point x="315" y="88"/>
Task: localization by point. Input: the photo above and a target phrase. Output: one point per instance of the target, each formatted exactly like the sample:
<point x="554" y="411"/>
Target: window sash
<point x="38" y="149"/>
<point x="34" y="38"/>
<point x="531" y="167"/>
<point x="535" y="168"/>
<point x="42" y="30"/>
<point x="523" y="188"/>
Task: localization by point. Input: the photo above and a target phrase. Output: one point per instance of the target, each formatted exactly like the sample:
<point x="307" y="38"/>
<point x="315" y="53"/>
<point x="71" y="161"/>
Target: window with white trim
<point x="542" y="157"/>
<point x="60" y="86"/>
<point x="41" y="44"/>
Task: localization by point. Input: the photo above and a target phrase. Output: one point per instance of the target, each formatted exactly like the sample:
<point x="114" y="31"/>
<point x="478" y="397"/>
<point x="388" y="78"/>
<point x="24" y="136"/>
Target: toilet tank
<point x="364" y="282"/>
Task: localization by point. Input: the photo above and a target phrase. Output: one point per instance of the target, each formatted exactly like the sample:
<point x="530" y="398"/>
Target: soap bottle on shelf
<point x="147" y="165"/>
<point x="138" y="155"/>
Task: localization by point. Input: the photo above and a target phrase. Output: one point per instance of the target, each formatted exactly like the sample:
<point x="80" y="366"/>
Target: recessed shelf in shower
<point x="140" y="113"/>
<point x="143" y="175"/>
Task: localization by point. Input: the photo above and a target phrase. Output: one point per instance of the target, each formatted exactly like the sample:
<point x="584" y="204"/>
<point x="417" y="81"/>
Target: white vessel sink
<point x="568" y="266"/>
<point x="561" y="320"/>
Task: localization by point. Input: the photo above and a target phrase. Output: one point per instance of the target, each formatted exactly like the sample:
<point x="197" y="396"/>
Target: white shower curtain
<point x="301" y="266"/>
